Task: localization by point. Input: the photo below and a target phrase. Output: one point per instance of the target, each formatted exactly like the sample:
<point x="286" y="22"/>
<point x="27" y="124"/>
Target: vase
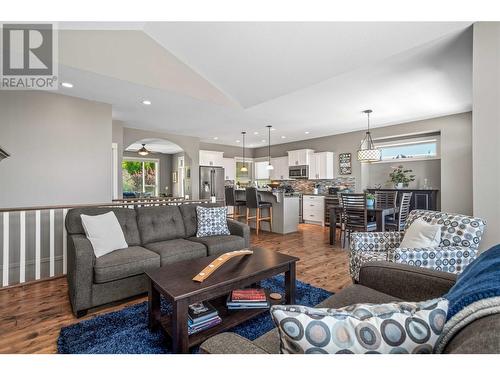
<point x="399" y="185"/>
<point x="370" y="202"/>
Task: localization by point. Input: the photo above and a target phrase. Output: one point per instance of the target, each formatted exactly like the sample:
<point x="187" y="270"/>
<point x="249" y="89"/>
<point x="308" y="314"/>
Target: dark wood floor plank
<point x="32" y="315"/>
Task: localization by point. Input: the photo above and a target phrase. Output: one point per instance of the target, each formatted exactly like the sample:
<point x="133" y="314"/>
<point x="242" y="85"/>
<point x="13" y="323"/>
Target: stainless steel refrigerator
<point x="212" y="183"/>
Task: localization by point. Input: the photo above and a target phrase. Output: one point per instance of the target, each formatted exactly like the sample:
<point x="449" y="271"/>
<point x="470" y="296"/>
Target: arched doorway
<point x="155" y="167"/>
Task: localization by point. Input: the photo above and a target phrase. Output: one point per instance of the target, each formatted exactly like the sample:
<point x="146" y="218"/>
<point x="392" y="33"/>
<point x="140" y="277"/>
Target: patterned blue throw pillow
<point x="212" y="221"/>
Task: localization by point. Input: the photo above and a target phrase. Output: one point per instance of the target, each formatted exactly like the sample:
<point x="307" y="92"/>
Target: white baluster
<point x="37" y="245"/>
<point x="65" y="243"/>
<point x="22" y="246"/>
<point x="5" y="281"/>
<point x="51" y="243"/>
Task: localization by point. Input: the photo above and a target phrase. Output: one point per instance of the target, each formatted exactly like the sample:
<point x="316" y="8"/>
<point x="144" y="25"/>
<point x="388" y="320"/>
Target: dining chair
<point x="386" y="199"/>
<point x="231" y="200"/>
<point x="355" y="215"/>
<point x="399" y="222"/>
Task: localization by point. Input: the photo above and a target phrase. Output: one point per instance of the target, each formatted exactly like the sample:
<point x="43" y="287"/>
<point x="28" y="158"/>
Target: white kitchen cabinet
<point x="261" y="171"/>
<point x="229" y="165"/>
<point x="211" y="158"/>
<point x="280" y="171"/>
<point x="313" y="209"/>
<point x="300" y="157"/>
<point x="321" y="167"/>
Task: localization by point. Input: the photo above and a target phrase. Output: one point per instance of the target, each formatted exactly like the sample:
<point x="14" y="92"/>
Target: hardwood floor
<point x="32" y="315"/>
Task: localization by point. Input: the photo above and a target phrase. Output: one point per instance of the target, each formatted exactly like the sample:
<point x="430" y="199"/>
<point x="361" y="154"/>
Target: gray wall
<point x="456" y="154"/>
<point x="60" y="150"/>
<point x="117" y="138"/>
<point x="430" y="169"/>
<point x="165" y="168"/>
<point x="486" y="128"/>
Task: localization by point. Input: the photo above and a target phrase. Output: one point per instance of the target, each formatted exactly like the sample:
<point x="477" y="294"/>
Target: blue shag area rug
<point x="126" y="331"/>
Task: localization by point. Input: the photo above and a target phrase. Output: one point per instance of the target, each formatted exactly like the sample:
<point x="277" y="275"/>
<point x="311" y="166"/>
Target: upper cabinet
<point x="211" y="158"/>
<point x="280" y="171"/>
<point x="229" y="165"/>
<point x="261" y="171"/>
<point x="321" y="166"/>
<point x="300" y="157"/>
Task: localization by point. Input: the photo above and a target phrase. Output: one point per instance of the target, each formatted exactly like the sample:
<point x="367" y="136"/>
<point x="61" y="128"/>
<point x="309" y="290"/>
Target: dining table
<point x="380" y="212"/>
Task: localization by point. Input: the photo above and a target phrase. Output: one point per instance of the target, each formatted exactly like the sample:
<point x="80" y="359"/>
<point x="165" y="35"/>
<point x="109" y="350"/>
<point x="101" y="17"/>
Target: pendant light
<point x="269" y="165"/>
<point x="244" y="168"/>
<point x="143" y="151"/>
<point x="367" y="152"/>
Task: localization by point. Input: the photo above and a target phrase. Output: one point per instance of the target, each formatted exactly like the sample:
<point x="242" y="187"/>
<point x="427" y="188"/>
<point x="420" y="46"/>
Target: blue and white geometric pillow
<point x="212" y="221"/>
<point x="391" y="328"/>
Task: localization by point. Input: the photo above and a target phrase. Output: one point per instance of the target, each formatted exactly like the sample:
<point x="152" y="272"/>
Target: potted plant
<point x="370" y="199"/>
<point x="400" y="177"/>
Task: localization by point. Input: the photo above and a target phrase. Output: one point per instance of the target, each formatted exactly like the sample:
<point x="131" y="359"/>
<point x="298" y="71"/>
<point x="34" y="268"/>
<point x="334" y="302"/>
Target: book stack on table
<point x="247" y="299"/>
<point x="202" y="315"/>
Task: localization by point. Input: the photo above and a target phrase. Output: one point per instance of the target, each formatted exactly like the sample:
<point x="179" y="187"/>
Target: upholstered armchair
<point x="460" y="238"/>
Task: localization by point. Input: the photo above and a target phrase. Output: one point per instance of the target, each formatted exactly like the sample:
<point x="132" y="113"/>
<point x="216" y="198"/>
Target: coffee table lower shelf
<point x="230" y="319"/>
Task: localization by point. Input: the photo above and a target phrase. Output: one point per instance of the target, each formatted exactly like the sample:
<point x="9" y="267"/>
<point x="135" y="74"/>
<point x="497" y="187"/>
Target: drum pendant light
<point x="367" y="152"/>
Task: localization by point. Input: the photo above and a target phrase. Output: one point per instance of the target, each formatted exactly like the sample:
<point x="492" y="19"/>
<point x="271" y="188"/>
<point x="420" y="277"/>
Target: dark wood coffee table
<point x="174" y="283"/>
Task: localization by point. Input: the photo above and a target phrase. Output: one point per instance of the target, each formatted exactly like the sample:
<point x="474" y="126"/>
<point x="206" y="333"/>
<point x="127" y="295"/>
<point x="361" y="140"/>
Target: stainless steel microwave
<point x="298" y="171"/>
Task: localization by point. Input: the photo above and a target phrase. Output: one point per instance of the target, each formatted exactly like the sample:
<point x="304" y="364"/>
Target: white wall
<point x="486" y="128"/>
<point x="60" y="150"/>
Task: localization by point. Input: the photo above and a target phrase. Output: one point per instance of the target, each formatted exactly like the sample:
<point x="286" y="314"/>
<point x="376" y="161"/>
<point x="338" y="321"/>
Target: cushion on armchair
<point x="421" y="234"/>
<point x="398" y="328"/>
<point x="456" y="229"/>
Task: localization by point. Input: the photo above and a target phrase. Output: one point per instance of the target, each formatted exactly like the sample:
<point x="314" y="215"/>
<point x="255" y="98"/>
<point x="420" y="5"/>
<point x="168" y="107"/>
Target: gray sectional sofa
<point x="380" y="282"/>
<point x="155" y="235"/>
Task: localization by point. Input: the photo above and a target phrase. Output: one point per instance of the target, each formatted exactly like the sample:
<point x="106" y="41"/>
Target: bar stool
<point x="253" y="202"/>
<point x="231" y="201"/>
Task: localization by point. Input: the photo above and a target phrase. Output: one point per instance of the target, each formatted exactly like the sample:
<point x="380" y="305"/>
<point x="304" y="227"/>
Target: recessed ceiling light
<point x="216" y="138"/>
<point x="283" y="137"/>
<point x="237" y="141"/>
<point x="67" y="85"/>
<point x="273" y="129"/>
<point x="256" y="133"/>
<point x="263" y="140"/>
<point x="306" y="132"/>
<point x="146" y="102"/>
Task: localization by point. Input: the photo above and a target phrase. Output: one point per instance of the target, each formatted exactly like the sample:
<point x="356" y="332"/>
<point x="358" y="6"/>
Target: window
<point x="411" y="148"/>
<point x="140" y="177"/>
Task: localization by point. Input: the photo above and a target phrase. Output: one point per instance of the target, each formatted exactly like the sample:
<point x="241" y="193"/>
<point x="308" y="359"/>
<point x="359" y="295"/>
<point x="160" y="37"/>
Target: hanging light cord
<point x="243" y="147"/>
<point x="269" y="146"/>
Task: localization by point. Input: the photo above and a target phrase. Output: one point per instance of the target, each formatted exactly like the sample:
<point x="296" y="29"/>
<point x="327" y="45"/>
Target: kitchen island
<point x="285" y="211"/>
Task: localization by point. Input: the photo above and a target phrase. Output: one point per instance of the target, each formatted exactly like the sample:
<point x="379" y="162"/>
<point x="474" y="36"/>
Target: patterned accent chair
<point x="460" y="238"/>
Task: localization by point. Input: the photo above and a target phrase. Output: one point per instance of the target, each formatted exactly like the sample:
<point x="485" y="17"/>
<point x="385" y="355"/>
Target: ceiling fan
<point x="143" y="151"/>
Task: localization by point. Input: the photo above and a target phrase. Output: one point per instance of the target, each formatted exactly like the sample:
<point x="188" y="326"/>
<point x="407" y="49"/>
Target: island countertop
<point x="285" y="210"/>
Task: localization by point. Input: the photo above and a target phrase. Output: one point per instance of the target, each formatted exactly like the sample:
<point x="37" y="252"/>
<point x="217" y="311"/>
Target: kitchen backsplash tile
<point x="307" y="186"/>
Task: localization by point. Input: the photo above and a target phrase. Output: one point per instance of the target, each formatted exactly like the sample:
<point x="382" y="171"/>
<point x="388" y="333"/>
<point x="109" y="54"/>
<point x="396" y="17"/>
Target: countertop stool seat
<point x="231" y="201"/>
<point x="254" y="202"/>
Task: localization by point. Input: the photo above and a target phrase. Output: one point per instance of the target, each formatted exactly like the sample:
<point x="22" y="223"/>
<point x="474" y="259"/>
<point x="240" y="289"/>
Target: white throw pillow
<point x="421" y="234"/>
<point x="104" y="233"/>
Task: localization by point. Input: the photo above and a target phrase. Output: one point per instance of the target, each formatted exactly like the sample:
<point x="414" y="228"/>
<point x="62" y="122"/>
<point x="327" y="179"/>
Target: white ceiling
<point x="156" y="145"/>
<point x="213" y="80"/>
